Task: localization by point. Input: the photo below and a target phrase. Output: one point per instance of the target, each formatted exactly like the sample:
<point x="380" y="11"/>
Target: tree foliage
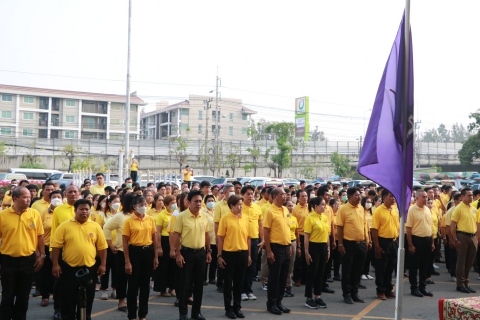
<point x="458" y="133"/>
<point x="471" y="147"/>
<point x="284" y="132"/>
<point x="70" y="151"/>
<point x="178" y="150"/>
<point x="317" y="135"/>
<point x="341" y="164"/>
<point x="233" y="158"/>
<point x="32" y="161"/>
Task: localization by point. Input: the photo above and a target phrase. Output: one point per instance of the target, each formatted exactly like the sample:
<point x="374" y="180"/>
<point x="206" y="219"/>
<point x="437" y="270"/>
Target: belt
<point x="280" y="245"/>
<point x="192" y="249"/>
<point x="294" y="240"/>
<point x="142" y="247"/>
<point x="357" y="242"/>
<point x="467" y="234"/>
<point x="388" y="239"/>
<point x="236" y="251"/>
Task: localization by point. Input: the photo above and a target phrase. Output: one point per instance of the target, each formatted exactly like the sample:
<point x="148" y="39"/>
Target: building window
<point x="6" y="131"/>
<point x="69" y="134"/>
<point x="70" y="103"/>
<point x="28" y="99"/>
<point x="133" y="123"/>
<point x="114" y="136"/>
<point x="28" y="116"/>
<point x="200" y="128"/>
<point x="70" y="119"/>
<point x="174" y="114"/>
<point x="200" y="114"/>
<point x="115" y="122"/>
<point x="133" y="137"/>
<point x="117" y="107"/>
<point x="27" y="132"/>
<point x="184" y="112"/>
<point x="231" y="117"/>
<point x="133" y="107"/>
<point x="244" y="116"/>
<point x="7" y="97"/>
<point x="244" y="130"/>
<point x="7" y="114"/>
<point x="230" y="131"/>
<point x="184" y="126"/>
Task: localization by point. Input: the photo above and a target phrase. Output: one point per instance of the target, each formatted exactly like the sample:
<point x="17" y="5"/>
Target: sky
<point x="266" y="53"/>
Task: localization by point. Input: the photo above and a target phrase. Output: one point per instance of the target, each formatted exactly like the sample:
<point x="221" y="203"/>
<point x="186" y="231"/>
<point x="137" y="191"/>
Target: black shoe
<point x="356" y="298"/>
<point x="327" y="290"/>
<point x="282" y="308"/>
<point x="177" y="303"/>
<point x="220" y="289"/>
<point x="416" y="293"/>
<point x="239" y="314"/>
<point x="439" y="261"/>
<point x="348" y="299"/>
<point x="57" y="315"/>
<point x="425" y="292"/>
<point x="205" y="283"/>
<point x="274" y="310"/>
<point x="122" y="308"/>
<point x="198" y="316"/>
<point x="463" y="289"/>
<point x="230" y="314"/>
<point x="471" y="289"/>
<point x="361" y="286"/>
<point x="36" y="293"/>
<point x="212" y="281"/>
<point x="339" y="278"/>
<point x="183" y="317"/>
<point x="429" y="281"/>
<point x="329" y="279"/>
<point x="190" y="302"/>
<point x="435" y="273"/>
<point x="288" y="292"/>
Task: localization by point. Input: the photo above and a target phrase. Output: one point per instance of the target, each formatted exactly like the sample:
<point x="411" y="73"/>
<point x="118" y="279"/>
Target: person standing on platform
<point x="134" y="170"/>
<point x="191" y="237"/>
<point x="385" y="229"/>
<point x="276" y="230"/>
<point x="80" y="239"/>
<point x="187" y="175"/>
<point x="464" y="233"/>
<point x="21" y="231"/>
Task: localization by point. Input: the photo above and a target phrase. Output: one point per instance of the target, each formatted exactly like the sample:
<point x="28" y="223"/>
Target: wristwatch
<point x="455" y="240"/>
<point x="209" y="250"/>
<point x="43" y="256"/>
<point x="219" y="256"/>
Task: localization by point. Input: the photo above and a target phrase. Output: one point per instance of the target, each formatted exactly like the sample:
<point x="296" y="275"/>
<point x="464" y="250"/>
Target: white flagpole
<point x="401" y="239"/>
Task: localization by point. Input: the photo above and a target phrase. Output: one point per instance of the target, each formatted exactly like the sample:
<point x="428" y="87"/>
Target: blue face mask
<point x="173" y="207"/>
<point x="210" y="205"/>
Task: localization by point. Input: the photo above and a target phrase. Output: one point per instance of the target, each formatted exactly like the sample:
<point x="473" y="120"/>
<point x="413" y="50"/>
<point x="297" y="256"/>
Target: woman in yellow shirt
<point x="209" y="201"/>
<point x="148" y="195"/>
<point x="157" y="206"/>
<point x="431" y="269"/>
<point x="7" y="200"/>
<point x="164" y="276"/>
<point x="134" y="170"/>
<point x="335" y="204"/>
<point x="367" y="208"/>
<point x="317" y="251"/>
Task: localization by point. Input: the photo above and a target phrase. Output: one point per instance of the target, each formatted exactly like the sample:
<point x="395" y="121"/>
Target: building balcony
<point x="87" y="108"/>
<point x="93" y="126"/>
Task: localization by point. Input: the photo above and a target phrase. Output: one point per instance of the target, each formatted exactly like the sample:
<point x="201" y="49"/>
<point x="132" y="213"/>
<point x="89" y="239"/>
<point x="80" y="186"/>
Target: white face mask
<point x="412" y="199"/>
<point x="294" y="200"/>
<point x="312" y="195"/>
<point x="115" y="206"/>
<point x="142" y="210"/>
<point x="231" y="194"/>
<point x="56" y="202"/>
<point x="102" y="205"/>
<point x="368" y="205"/>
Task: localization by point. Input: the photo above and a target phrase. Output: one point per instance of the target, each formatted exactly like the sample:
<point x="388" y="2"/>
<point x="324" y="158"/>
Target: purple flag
<point x="381" y="158"/>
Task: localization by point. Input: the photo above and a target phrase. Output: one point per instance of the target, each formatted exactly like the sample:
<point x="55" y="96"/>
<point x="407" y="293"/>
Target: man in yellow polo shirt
<point x="264" y="264"/>
<point x="300" y="211"/>
<point x="451" y="246"/>
<point x="385" y="228"/>
<point x="43" y="204"/>
<point x="464" y="233"/>
<point x="420" y="244"/>
<point x="80" y="239"/>
<point x="21" y="231"/>
<point x="353" y="243"/>
<point x="276" y="231"/>
<point x="187" y="175"/>
<point x="191" y="237"/>
<point x="99" y="187"/>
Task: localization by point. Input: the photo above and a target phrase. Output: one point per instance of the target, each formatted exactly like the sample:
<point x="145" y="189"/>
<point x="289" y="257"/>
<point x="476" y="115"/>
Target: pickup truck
<point x="65" y="178"/>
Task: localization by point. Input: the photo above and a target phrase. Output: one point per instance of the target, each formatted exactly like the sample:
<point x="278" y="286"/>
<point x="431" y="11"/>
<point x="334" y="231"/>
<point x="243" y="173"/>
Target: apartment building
<point x="59" y="114"/>
<point x="196" y="118"/>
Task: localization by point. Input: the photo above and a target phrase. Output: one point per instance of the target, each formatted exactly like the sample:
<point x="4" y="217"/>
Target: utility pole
<point x="206" y="108"/>
<point x="217" y="112"/>
<point x="127" y="104"/>
<point x="416" y="141"/>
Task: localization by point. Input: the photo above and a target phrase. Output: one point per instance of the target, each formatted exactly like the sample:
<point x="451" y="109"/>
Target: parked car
<point x="364" y="183"/>
<point x="65" y="178"/>
<point x="204" y="178"/>
<point x="38" y="175"/>
<point x="475" y="186"/>
<point x="263" y="182"/>
<point x="7" y="177"/>
<point x="219" y="182"/>
<point x="242" y="180"/>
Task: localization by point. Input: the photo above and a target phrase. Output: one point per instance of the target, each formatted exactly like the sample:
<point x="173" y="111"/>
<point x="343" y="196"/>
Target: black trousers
<point x="236" y="265"/>
<point x="251" y="269"/>
<point x="408" y="255"/>
<point x="70" y="292"/>
<point x="337" y="260"/>
<point x="300" y="265"/>
<point x="17" y="278"/>
<point x="419" y="261"/>
<point x="432" y="258"/>
<point x="133" y="175"/>
<point x="453" y="260"/>
<point x="192" y="272"/>
<point x="212" y="266"/>
<point x="352" y="266"/>
<point x="164" y="275"/>
<point x="110" y="265"/>
<point x="316" y="269"/>
<point x="385" y="265"/>
<point x="277" y="273"/>
<point x="122" y="277"/>
<point x="447" y="254"/>
<point x="328" y="267"/>
<point x="141" y="259"/>
<point x="45" y="278"/>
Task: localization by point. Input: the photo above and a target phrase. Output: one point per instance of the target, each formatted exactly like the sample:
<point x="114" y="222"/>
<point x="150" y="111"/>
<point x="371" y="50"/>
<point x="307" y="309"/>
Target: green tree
<point x="178" y="150"/>
<point x="471" y="147"/>
<point x="31" y="160"/>
<point x="233" y="158"/>
<point x="430" y="135"/>
<point x="3" y="151"/>
<point x="459" y="133"/>
<point x="284" y="132"/>
<point x="83" y="163"/>
<point x="317" y="135"/>
<point x="254" y="134"/>
<point x="70" y="151"/>
<point x="341" y="164"/>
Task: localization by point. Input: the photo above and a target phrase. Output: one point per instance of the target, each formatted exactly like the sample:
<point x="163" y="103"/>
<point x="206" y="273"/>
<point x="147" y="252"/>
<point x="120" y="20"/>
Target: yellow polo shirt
<point x="316" y="225"/>
<point x="163" y="219"/>
<point x="293" y="227"/>
<point x="41" y="205"/>
<point x="420" y="220"/>
<point x="96" y="189"/>
<point x="235" y="231"/>
<point x="209" y="214"/>
<point x="448" y="217"/>
<point x="187" y="175"/>
<point x="62" y="213"/>
<point x="465" y="217"/>
<point x="329" y="214"/>
<point x="435" y="210"/>
<point x="264" y="208"/>
<point x="276" y="219"/>
<point x="7" y="200"/>
<point x="434" y="225"/>
<point x="445" y="198"/>
<point x="353" y="221"/>
<point x="261" y="202"/>
<point x="386" y="222"/>
<point x="192" y="229"/>
<point x="19" y="232"/>
<point x="254" y="214"/>
<point x="139" y="230"/>
<point x="173" y="219"/>
<point x="80" y="242"/>
<point x="47" y="225"/>
<point x="221" y="208"/>
<point x="301" y="213"/>
<point x="113" y="228"/>
<point x="154" y="213"/>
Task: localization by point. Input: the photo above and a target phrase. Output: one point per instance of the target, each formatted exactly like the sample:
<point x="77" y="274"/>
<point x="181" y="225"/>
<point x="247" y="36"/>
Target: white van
<point x="35" y="174"/>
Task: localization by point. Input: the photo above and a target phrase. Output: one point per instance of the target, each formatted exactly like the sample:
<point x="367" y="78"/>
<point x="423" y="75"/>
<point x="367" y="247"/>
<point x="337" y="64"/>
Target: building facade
<point x="58" y="114"/>
<point x="196" y="119"/>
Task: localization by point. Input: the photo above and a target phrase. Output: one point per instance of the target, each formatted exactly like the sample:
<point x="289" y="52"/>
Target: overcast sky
<point x="267" y="52"/>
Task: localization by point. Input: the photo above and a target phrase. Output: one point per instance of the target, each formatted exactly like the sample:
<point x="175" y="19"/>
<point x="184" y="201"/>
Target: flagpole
<point x="401" y="239"/>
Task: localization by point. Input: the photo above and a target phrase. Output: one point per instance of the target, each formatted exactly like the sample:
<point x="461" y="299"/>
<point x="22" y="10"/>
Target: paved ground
<point x="212" y="308"/>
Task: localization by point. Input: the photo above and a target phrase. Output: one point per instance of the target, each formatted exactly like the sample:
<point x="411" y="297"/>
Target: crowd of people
<point x="176" y="240"/>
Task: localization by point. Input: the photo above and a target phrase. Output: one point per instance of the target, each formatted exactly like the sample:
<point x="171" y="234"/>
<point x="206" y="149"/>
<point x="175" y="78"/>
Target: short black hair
<point x="302" y="181"/>
<point x="80" y="202"/>
<point x="464" y="191"/>
<point x="208" y="196"/>
<point x="60" y="193"/>
<point x="385" y="192"/>
<point x="351" y="191"/>
<point x="99" y="174"/>
<point x="32" y="186"/>
<point x="205" y="184"/>
<point x="457" y="197"/>
<point x="476" y="192"/>
<point x="245" y="188"/>
<point x="236" y="182"/>
<point x="372" y="193"/>
<point x="194" y="193"/>
<point x="321" y="191"/>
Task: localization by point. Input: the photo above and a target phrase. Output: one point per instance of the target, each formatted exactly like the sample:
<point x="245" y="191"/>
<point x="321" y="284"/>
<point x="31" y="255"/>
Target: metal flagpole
<point x="401" y="238"/>
<point x="127" y="104"/>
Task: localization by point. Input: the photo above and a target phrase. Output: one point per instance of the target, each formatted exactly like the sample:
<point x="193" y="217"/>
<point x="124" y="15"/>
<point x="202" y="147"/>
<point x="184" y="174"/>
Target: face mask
<point x="142" y="210"/>
<point x="412" y="199"/>
<point x="344" y="198"/>
<point x="102" y="205"/>
<point x="312" y="195"/>
<point x="129" y="185"/>
<point x="294" y="200"/>
<point x="368" y="205"/>
<point x="56" y="202"/>
<point x="173" y="207"/>
<point x="231" y="194"/>
<point x="210" y="205"/>
<point x="115" y="206"/>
